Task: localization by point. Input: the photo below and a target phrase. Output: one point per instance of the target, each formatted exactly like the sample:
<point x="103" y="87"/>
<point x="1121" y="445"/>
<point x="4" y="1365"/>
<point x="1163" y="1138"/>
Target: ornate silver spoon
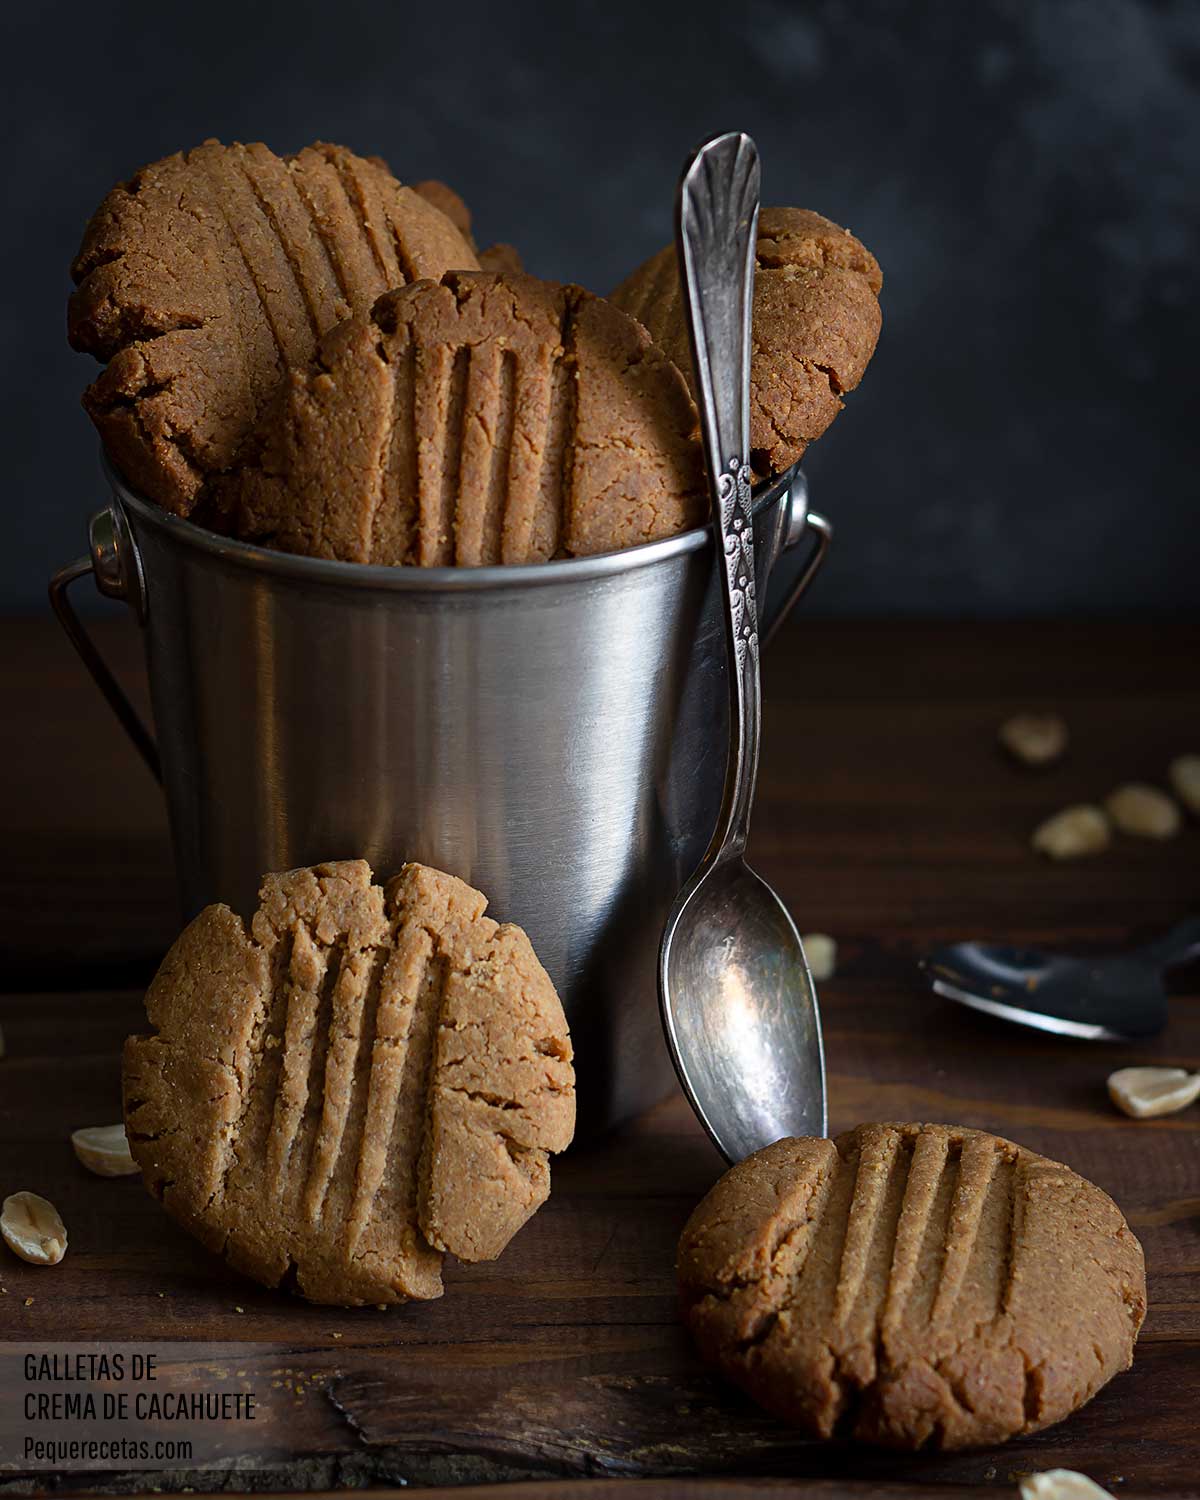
<point x="738" y="1004"/>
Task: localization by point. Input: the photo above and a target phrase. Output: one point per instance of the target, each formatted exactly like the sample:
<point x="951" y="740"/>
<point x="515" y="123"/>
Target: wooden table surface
<point x="887" y="818"/>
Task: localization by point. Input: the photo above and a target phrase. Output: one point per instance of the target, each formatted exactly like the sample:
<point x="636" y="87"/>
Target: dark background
<point x="1028" y="175"/>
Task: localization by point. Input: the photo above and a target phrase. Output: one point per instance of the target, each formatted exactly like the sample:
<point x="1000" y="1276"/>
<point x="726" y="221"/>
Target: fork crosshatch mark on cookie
<point x="366" y="1079"/>
<point x="211" y="272"/>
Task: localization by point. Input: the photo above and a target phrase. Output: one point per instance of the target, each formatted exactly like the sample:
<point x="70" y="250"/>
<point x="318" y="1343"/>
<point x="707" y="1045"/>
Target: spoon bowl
<point x="743" y="1025"/>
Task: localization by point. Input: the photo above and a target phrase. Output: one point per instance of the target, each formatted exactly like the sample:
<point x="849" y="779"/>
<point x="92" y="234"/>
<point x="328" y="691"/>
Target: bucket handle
<point x="801" y="522"/>
<point x="116" y="568"/>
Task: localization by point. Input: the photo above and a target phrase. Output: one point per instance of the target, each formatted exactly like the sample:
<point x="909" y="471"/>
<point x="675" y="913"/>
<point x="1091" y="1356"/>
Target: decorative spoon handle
<point x="716" y="220"/>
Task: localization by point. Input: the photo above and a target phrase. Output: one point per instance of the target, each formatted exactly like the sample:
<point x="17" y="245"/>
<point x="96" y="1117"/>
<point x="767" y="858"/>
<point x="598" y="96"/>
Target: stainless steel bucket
<point x="554" y="734"/>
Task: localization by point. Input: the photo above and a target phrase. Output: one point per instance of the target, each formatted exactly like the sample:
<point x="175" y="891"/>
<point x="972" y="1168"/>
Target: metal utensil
<point x="738" y="1004"/>
<point x="1101" y="999"/>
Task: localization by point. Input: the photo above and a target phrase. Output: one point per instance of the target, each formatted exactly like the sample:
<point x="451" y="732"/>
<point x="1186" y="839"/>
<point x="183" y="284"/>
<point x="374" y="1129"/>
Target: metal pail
<point x="554" y="734"/>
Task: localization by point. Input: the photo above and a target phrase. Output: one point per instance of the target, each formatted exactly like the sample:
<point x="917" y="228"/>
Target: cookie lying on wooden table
<point x="209" y="273"/>
<point x="368" y="1078"/>
<point x="912" y="1285"/>
<point x="816" y="324"/>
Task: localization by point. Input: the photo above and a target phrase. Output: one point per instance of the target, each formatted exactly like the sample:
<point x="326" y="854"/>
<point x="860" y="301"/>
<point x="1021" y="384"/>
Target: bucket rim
<point x="402" y="579"/>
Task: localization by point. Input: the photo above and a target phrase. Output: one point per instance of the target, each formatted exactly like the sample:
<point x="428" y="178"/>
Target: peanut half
<point x="1184" y="775"/>
<point x="1061" y="1484"/>
<point x="1146" y="1092"/>
<point x="1035" y="739"/>
<point x="1143" y="811"/>
<point x="32" y="1228"/>
<point x="104" y="1150"/>
<point x="1072" y="833"/>
<point x="821" y="952"/>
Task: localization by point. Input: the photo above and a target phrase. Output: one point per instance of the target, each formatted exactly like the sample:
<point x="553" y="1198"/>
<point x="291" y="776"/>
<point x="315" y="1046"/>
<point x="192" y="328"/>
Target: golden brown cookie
<point x="208" y="274"/>
<point x="912" y="1285"/>
<point x="816" y="323"/>
<point x="446" y="200"/>
<point x="483" y="419"/>
<point x="365" y="1079"/>
<point x="498" y="257"/>
<point x="501" y="257"/>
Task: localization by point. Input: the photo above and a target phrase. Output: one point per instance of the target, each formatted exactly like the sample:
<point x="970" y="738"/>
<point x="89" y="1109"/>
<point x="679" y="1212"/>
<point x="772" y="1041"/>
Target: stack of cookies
<point x="304" y="353"/>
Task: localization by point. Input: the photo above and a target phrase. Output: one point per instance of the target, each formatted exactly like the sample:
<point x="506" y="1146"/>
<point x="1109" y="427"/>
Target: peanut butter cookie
<point x="367" y="1078"/>
<point x="498" y="257"/>
<point x="912" y="1285"/>
<point x="209" y="273"/>
<point x="488" y="418"/>
<point x="816" y="323"/>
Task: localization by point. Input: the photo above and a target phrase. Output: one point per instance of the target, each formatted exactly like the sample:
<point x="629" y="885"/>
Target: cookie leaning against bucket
<point x="816" y="323"/>
<point x="488" y="418"/>
<point x="211" y="272"/>
<point x="367" y="1078"/>
<point x="912" y="1285"/>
